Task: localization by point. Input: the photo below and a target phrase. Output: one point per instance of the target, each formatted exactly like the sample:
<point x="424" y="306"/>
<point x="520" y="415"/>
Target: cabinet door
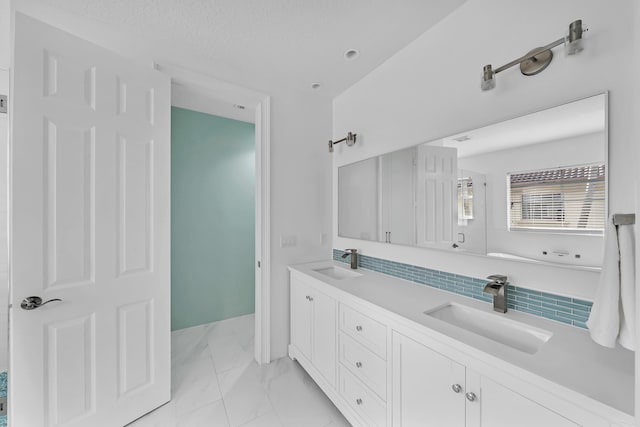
<point x="301" y="317"/>
<point x="324" y="336"/>
<point x="502" y="407"/>
<point x="422" y="386"/>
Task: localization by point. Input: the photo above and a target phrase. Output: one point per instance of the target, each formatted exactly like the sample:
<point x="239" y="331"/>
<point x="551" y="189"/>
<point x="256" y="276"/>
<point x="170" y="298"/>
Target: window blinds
<point x="561" y="199"/>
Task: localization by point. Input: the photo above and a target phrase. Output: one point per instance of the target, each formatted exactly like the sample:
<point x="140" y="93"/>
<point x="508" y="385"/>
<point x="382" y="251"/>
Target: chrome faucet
<point x="354" y="257"/>
<point x="498" y="288"/>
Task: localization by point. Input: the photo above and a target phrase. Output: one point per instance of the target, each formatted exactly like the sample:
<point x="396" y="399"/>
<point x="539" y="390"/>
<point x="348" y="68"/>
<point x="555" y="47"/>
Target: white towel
<point x="613" y="313"/>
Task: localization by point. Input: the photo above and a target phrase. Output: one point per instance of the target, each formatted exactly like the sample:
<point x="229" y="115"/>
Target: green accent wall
<point x="212" y="218"/>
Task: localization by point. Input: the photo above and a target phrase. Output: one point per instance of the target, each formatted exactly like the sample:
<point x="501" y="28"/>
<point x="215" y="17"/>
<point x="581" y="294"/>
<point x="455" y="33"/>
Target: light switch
<point x="288" y="241"/>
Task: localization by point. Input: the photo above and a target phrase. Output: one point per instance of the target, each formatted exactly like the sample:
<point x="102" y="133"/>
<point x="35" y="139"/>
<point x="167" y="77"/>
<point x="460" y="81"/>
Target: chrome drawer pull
<point x="358" y="364"/>
<point x="359" y="401"/>
<point x="457" y="388"/>
<point x="471" y="396"/>
<point x="359" y="328"/>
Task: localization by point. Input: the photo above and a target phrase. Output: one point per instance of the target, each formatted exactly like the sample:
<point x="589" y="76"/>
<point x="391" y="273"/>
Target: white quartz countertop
<point x="570" y="358"/>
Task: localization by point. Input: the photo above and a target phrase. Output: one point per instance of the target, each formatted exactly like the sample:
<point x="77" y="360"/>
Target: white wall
<point x="300" y="197"/>
<point x="431" y="89"/>
<point x="300" y="163"/>
<point x="582" y="150"/>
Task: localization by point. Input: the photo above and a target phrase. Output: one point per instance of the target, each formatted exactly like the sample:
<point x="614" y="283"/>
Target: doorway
<point x="212" y="96"/>
<point x="212" y="218"/>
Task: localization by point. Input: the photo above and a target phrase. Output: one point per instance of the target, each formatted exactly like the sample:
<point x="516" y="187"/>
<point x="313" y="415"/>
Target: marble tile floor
<point x="216" y="382"/>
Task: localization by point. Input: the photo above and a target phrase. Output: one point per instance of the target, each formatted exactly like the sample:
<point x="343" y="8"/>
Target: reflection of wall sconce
<point x="349" y="140"/>
<point x="539" y="58"/>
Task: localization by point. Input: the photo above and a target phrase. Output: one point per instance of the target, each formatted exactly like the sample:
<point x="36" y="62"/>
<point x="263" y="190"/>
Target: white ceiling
<point x="564" y="121"/>
<point x="270" y="43"/>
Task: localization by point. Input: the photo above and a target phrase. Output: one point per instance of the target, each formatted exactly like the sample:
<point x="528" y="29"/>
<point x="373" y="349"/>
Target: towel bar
<point x="624" y="219"/>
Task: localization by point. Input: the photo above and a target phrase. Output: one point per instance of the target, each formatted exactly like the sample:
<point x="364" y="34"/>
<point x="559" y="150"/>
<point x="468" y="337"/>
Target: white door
<point x="301" y="317"/>
<point x="437" y="196"/>
<point x="498" y="406"/>
<point x="428" y="388"/>
<point x="89" y="221"/>
<point x="324" y="336"/>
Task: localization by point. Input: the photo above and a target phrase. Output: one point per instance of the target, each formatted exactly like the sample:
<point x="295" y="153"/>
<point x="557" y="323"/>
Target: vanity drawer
<point x="364" y="364"/>
<point x="365" y="330"/>
<point x="364" y="402"/>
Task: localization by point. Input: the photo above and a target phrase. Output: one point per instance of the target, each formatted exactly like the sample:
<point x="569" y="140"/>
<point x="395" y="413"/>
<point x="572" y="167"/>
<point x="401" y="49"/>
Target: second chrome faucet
<point x="498" y="288"/>
<point x="354" y="257"/>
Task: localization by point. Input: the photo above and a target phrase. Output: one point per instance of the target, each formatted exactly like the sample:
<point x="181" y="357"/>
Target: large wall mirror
<point x="533" y="188"/>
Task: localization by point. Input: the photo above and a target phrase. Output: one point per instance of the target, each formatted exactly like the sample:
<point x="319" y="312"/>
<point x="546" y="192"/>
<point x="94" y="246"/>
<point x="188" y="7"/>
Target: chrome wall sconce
<point x="349" y="140"/>
<point x="539" y="58"/>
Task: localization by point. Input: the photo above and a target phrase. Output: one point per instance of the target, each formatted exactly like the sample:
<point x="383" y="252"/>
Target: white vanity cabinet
<point x="430" y="389"/>
<point x="382" y="368"/>
<point x="313" y="327"/>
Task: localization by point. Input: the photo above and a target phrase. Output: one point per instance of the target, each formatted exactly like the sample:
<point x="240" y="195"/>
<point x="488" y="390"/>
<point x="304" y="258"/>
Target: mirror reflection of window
<point x="570" y="199"/>
<point x="465" y="200"/>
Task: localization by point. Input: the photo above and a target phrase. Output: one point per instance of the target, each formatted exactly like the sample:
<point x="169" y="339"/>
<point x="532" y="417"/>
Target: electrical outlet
<point x="288" y="241"/>
<point x="3" y="405"/>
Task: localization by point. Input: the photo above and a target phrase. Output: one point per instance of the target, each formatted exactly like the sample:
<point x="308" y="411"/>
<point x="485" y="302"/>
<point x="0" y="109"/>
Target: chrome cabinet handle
<point x="471" y="396"/>
<point x="310" y="298"/>
<point x="457" y="388"/>
<point x="359" y="328"/>
<point x="359" y="401"/>
<point x="358" y="364"/>
<point x="31" y="303"/>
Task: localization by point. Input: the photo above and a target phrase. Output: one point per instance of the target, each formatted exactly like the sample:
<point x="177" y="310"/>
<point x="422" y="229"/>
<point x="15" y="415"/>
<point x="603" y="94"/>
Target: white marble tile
<point x="243" y="394"/>
<point x="213" y="414"/>
<point x="231" y="343"/>
<point x="164" y="416"/>
<point x="197" y="393"/>
<point x="297" y="399"/>
<point x="269" y="419"/>
<point x="216" y="382"/>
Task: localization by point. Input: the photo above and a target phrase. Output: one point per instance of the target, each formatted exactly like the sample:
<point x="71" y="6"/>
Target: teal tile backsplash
<point x="567" y="310"/>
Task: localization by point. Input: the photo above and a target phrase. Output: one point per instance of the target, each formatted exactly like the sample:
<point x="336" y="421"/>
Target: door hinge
<point x="3" y="103"/>
<point x="3" y="405"/>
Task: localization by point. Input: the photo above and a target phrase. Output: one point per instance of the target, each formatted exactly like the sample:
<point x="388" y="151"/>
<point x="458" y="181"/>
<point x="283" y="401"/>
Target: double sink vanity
<point x="389" y="352"/>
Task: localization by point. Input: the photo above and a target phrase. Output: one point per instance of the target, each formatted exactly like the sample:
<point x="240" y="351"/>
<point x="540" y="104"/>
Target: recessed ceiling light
<point x="462" y="138"/>
<point x="315" y="85"/>
<point x="239" y="107"/>
<point x="351" y="54"/>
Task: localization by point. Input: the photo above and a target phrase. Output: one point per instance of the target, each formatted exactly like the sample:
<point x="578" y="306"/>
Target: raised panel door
<point x="89" y="220"/>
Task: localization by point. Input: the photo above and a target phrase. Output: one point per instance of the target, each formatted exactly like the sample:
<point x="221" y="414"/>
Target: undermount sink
<point x="514" y="334"/>
<point x="337" y="272"/>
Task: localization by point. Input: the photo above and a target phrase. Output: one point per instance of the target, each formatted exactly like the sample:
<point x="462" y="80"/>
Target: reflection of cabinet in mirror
<point x="358" y="200"/>
<point x="397" y="202"/>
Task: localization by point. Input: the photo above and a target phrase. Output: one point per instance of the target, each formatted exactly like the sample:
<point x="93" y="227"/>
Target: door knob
<point x="31" y="303"/>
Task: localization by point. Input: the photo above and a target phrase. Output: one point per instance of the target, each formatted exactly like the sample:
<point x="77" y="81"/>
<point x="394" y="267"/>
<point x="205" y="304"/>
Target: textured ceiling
<point x="289" y="43"/>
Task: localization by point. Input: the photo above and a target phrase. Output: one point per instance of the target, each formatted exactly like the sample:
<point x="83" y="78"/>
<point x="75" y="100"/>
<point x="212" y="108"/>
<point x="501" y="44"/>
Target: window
<point x="561" y="200"/>
<point x="465" y="200"/>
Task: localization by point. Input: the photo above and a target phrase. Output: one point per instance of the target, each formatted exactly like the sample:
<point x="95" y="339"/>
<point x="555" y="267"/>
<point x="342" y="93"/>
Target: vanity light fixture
<point x="539" y="58"/>
<point x="349" y="140"/>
